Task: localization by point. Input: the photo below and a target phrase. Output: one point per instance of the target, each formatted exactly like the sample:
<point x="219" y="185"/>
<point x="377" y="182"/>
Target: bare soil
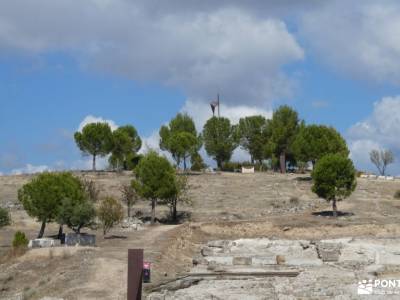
<point x="224" y="206"/>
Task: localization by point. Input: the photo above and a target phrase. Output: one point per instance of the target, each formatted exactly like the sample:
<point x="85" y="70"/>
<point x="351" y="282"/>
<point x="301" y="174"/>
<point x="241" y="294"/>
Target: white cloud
<point x="380" y="130"/>
<point x="200" y="49"/>
<point x="359" y="38"/>
<point x="150" y="142"/>
<point x="92" y="119"/>
<point x="30" y="169"/>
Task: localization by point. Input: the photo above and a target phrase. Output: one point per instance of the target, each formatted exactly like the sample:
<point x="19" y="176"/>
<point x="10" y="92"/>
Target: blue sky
<point x="138" y="62"/>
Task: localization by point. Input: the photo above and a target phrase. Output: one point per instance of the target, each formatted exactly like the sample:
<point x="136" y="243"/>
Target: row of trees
<point x="284" y="137"/>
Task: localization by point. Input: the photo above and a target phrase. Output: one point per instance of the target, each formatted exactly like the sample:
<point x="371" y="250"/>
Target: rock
<point x="83" y="239"/>
<point x="44" y="243"/>
<point x="280" y="260"/>
<point x="328" y="252"/>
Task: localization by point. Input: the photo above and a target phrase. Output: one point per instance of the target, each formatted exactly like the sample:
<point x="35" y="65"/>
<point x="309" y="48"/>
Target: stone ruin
<point x="287" y="269"/>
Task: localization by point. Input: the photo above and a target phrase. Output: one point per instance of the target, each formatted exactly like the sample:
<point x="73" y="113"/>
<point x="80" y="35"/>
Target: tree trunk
<point x="334" y="208"/>
<point x="184" y="163"/>
<point x="94" y="163"/>
<point x="153" y="211"/>
<point x="174" y="211"/>
<point x="60" y="232"/>
<point x="41" y="232"/>
<point x="282" y="161"/>
<point x="129" y="210"/>
<point x="219" y="164"/>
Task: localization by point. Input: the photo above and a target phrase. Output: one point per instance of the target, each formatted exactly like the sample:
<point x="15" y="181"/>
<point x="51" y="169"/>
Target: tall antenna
<point x="218" y="105"/>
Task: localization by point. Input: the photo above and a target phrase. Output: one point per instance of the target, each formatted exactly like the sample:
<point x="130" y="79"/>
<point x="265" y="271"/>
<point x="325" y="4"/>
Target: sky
<point x="65" y="63"/>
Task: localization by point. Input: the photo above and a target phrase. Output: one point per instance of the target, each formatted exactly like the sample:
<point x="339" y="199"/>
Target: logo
<point x="379" y="287"/>
<point x="365" y="287"/>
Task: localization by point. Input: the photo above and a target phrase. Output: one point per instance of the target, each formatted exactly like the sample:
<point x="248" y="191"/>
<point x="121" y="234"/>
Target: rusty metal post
<point x="135" y="271"/>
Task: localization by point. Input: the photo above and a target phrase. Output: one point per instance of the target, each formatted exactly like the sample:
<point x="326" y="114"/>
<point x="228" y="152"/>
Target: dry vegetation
<point x="224" y="205"/>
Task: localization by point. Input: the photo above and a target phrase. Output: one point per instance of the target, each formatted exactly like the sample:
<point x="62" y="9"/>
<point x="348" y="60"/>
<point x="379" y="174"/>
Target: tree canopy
<point x="96" y="139"/>
<point x="42" y="197"/>
<point x="126" y="144"/>
<point x="180" y="138"/>
<point x="334" y="178"/>
<point x="155" y="179"/>
<point x="284" y="127"/>
<point x="220" y="139"/>
<point x="252" y="136"/>
<point x="315" y="141"/>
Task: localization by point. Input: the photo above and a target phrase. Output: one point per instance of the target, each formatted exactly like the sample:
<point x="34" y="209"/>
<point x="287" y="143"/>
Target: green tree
<point x="96" y="139"/>
<point x="43" y="195"/>
<point x="180" y="138"/>
<point x="76" y="213"/>
<point x="284" y="127"/>
<point x="252" y="136"/>
<point x="315" y="141"/>
<point x="220" y="139"/>
<point x="110" y="213"/>
<point x="126" y="144"/>
<point x="197" y="163"/>
<point x="155" y="180"/>
<point x="334" y="178"/>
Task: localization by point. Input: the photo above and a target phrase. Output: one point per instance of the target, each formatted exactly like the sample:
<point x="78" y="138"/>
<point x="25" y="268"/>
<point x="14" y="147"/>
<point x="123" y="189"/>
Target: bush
<point x="20" y="240"/>
<point x="231" y="166"/>
<point x="110" y="213"/>
<point x="5" y="218"/>
<point x="397" y="195"/>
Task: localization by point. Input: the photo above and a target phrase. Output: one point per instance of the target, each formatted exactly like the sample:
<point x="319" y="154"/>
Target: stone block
<point x="242" y="261"/>
<point x="328" y="252"/>
<point x="83" y="239"/>
<point x="44" y="243"/>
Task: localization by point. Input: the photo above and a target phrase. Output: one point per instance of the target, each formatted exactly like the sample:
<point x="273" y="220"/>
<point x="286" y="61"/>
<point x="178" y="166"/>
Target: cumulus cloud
<point x="92" y="119"/>
<point x="30" y="169"/>
<point x="357" y="37"/>
<point x="380" y="130"/>
<point x="199" y="49"/>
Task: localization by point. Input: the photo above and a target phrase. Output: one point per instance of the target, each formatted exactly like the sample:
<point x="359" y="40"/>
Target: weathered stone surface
<point x="329" y="269"/>
<point x="44" y="243"/>
<point x="83" y="239"/>
<point x="243" y="261"/>
<point x="328" y="252"/>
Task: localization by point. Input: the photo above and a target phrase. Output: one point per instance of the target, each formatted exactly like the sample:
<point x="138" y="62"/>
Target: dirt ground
<point x="224" y="206"/>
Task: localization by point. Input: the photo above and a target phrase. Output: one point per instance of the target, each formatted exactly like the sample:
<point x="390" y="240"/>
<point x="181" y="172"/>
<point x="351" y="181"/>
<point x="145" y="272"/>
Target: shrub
<point x="20" y="240"/>
<point x="110" y="213"/>
<point x="294" y="201"/>
<point x="5" y="218"/>
<point x="91" y="190"/>
<point x="397" y="195"/>
<point x="231" y="166"/>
